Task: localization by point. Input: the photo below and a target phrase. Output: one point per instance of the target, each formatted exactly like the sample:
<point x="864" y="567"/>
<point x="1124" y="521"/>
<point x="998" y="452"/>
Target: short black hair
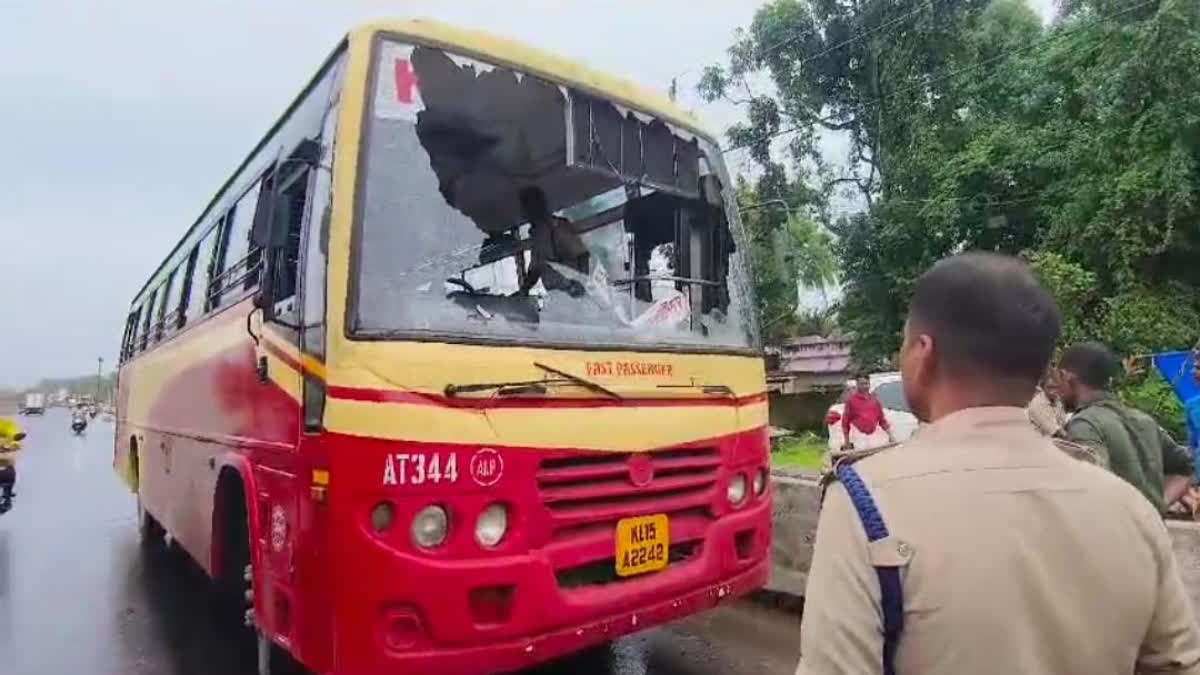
<point x="1093" y="363"/>
<point x="988" y="316"/>
<point x="533" y="198"/>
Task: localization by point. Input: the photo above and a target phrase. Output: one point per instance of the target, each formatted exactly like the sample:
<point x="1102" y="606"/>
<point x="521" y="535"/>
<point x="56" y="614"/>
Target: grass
<point x="805" y="452"/>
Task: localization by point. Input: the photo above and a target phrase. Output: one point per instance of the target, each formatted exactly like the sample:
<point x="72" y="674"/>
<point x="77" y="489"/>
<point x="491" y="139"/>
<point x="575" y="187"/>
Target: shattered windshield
<point x="498" y="206"/>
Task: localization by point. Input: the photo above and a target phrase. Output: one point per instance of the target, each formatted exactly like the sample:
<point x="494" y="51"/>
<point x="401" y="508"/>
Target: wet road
<point x="78" y="596"/>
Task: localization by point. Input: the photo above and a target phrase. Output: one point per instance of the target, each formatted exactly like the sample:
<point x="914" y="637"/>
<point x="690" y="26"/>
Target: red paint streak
<point x="406" y="81"/>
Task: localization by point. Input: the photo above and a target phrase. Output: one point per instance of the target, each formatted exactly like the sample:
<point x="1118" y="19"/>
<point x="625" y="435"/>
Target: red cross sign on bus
<point x="397" y="86"/>
<point x="406" y="81"/>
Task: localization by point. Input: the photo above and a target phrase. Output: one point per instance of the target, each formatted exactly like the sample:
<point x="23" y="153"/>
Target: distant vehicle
<point x="888" y="388"/>
<point x="35" y="404"/>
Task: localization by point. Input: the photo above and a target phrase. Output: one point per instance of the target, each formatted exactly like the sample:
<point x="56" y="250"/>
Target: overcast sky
<point x="120" y="118"/>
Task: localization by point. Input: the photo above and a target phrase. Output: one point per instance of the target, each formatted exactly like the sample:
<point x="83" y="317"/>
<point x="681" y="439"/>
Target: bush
<point x="1150" y="393"/>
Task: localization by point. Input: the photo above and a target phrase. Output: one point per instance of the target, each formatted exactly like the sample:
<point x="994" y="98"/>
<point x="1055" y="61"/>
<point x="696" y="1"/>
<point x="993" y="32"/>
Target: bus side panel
<point x="122" y="456"/>
<point x="190" y="401"/>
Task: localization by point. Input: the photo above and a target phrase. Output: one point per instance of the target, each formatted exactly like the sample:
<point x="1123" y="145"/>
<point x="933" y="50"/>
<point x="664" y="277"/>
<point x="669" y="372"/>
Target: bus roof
<point x="518" y="56"/>
<point x="486" y="46"/>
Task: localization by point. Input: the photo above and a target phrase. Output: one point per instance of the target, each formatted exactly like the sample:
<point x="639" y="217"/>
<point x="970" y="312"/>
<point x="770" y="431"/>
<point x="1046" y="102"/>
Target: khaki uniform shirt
<point x="1016" y="558"/>
<point x="1046" y="416"/>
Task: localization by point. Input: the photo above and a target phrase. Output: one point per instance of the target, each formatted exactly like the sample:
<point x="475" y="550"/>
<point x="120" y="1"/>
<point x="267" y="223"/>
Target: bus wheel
<point x="234" y="583"/>
<point x="150" y="531"/>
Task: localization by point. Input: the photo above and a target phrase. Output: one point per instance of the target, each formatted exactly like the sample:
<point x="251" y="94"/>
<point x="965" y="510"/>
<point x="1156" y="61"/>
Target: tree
<point x="869" y="69"/>
<point x="821" y="322"/>
<point x="787" y="247"/>
<point x="973" y="127"/>
<point x="808" y="249"/>
<point x="879" y="72"/>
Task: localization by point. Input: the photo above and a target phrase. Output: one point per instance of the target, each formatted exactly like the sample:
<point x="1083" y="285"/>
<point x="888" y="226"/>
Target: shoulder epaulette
<point x="846" y="457"/>
<point x="1077" y="450"/>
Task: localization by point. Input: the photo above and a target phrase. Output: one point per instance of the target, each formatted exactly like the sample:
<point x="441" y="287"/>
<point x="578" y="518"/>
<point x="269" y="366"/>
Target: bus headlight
<point x="491" y="525"/>
<point x="760" y="482"/>
<point x="430" y="526"/>
<point x="736" y="492"/>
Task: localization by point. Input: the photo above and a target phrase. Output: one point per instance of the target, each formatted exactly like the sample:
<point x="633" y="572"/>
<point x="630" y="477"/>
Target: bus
<point x="459" y="371"/>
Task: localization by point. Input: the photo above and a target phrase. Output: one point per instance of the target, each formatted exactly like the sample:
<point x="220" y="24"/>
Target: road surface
<point x="77" y="594"/>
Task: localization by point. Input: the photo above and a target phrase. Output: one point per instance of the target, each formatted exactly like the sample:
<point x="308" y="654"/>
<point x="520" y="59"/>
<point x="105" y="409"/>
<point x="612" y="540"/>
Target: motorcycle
<point x="8" y="472"/>
<point x="78" y="425"/>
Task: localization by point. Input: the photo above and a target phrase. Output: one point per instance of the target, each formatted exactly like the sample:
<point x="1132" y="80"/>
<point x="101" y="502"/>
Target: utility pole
<point x="99" y="376"/>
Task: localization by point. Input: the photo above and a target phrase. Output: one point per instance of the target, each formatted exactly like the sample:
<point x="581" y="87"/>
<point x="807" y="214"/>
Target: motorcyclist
<point x="10" y="443"/>
<point x="78" y="419"/>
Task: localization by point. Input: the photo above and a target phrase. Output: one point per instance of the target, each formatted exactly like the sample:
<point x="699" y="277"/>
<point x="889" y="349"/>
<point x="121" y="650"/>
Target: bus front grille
<point x="583" y="492"/>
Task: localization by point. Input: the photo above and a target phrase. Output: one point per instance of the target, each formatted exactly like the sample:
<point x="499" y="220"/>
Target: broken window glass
<point x="482" y="220"/>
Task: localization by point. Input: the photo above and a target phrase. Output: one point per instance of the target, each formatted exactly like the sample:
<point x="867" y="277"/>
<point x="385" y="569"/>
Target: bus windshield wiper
<point x="502" y="388"/>
<point x="714" y="389"/>
<point x="583" y="382"/>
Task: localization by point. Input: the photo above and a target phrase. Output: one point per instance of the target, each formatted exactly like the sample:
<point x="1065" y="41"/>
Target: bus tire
<point x="150" y="531"/>
<point x="232" y="584"/>
<point x="235" y="581"/>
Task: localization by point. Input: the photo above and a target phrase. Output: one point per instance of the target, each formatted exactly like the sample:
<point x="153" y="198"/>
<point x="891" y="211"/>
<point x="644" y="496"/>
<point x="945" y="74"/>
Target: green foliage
<point x="808" y="250"/>
<point x="1077" y="293"/>
<point x="787" y="247"/>
<point x="805" y="452"/>
<point x="818" y="322"/>
<point x="1149" y="392"/>
<point x="971" y="126"/>
<point x="1144" y="320"/>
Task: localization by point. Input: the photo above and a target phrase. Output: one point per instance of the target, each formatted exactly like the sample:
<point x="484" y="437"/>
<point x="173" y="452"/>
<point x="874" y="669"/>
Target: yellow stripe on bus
<point x="618" y="429"/>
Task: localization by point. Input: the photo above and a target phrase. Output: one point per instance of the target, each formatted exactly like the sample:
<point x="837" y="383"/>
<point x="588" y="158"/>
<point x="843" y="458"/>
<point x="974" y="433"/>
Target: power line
<point x="857" y="36"/>
<point x="1059" y="35"/>
<point x="848" y="41"/>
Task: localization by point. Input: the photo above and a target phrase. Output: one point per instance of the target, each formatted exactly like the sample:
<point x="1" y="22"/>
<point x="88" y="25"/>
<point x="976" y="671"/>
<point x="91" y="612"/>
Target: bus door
<point x="293" y="302"/>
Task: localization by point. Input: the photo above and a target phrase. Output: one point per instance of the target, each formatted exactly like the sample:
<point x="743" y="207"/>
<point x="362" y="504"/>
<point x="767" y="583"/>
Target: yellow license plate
<point x="643" y="544"/>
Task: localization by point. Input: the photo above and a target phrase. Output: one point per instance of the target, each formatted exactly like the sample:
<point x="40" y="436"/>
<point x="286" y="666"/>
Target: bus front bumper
<point x="436" y="619"/>
<point x="516" y="654"/>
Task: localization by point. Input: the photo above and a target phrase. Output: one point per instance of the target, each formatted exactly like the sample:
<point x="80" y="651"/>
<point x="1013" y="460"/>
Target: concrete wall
<point x="801" y="412"/>
<point x="795" y="525"/>
<point x="1186" y="538"/>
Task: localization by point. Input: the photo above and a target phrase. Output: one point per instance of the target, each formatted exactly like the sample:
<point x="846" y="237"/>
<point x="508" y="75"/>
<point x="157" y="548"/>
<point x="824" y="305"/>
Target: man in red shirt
<point x="861" y="416"/>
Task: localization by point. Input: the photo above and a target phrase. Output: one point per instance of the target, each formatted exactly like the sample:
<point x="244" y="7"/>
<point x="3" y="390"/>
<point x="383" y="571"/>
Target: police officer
<point x="978" y="547"/>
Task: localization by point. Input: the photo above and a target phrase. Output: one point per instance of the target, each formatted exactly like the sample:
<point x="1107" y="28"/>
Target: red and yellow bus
<point x="402" y="429"/>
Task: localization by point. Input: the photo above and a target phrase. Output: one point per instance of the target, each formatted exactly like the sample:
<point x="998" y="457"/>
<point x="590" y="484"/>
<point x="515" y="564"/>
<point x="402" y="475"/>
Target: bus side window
<point x="131" y="326"/>
<point x="185" y="288"/>
<point x="244" y="268"/>
<point x="164" y="300"/>
<point x="216" y="266"/>
<point x="143" y="339"/>
<point x="289" y="215"/>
